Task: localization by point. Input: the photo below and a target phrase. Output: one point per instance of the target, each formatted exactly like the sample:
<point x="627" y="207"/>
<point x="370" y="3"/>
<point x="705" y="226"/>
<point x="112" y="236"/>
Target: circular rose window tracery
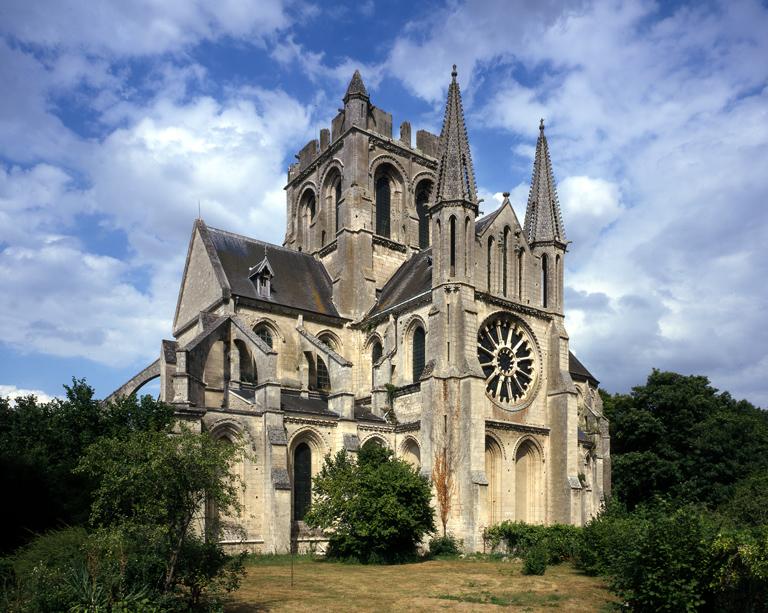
<point x="508" y="359"/>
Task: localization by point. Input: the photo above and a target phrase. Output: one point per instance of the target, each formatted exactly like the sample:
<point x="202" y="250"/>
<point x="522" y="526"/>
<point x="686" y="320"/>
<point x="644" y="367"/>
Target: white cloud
<point x="12" y="392"/>
<point x="139" y="28"/>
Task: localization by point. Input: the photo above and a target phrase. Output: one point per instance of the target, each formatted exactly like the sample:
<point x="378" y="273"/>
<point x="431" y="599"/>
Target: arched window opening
<point x="544" y="282"/>
<point x="452" y="231"/>
<point x="323" y="378"/>
<point x="504" y="258"/>
<point x="265" y="334"/>
<point x="556" y="285"/>
<point x="493" y="468"/>
<point x="412" y="453"/>
<point x="422" y="198"/>
<point x="489" y="263"/>
<point x="418" y="352"/>
<point x="376" y="352"/>
<point x="307" y="213"/>
<point x="329" y="342"/>
<point x="302" y="481"/>
<point x="383" y="205"/>
<point x="466" y="246"/>
<point x="437" y="252"/>
<point x="371" y="442"/>
<point x="245" y="368"/>
<point x="322" y="239"/>
<point x="214" y="375"/>
<point x="337" y="203"/>
<point x="520" y="274"/>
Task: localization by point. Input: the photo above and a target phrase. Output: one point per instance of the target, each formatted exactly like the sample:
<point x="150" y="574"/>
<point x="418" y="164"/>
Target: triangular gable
<point x="203" y="282"/>
<point x="494" y="223"/>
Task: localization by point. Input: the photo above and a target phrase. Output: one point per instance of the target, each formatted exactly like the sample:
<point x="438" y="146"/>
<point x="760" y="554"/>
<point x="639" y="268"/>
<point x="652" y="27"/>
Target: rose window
<point x="507" y="357"/>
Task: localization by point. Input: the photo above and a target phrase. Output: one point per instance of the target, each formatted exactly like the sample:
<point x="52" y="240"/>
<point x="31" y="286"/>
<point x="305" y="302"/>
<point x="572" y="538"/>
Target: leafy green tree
<point x="156" y="486"/>
<point x="375" y="510"/>
<point x="41" y="444"/>
<point x="679" y="438"/>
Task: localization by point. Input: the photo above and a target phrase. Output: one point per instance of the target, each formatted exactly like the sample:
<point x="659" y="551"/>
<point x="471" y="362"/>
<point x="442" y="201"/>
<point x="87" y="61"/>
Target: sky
<point x="118" y="119"/>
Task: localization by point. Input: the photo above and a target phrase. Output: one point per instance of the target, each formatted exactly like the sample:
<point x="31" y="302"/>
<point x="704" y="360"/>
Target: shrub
<point x="536" y="558"/>
<point x="444" y="546"/>
<point x="376" y="509"/>
<point x="559" y="541"/>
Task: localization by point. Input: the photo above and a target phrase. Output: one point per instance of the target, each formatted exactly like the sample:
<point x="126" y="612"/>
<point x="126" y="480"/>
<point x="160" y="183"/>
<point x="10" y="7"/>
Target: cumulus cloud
<point x="12" y="392"/>
<point x="658" y="130"/>
<point x="139" y="28"/>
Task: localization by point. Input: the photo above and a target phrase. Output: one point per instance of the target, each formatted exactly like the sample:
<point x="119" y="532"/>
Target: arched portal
<point x="493" y="464"/>
<point x="412" y="453"/>
<point x="528" y="503"/>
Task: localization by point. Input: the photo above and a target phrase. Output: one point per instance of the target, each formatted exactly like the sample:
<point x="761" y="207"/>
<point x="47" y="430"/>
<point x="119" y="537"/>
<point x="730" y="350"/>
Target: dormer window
<point x="261" y="277"/>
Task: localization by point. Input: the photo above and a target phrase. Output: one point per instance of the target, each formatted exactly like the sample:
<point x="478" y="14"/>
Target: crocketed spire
<point x="356" y="87"/>
<point x="455" y="174"/>
<point x="543" y="221"/>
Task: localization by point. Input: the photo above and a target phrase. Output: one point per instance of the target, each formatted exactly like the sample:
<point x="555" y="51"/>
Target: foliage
<point x="154" y="485"/>
<point x="536" y="558"/>
<point x="558" y="541"/>
<point x="678" y="437"/>
<point x="444" y="546"/>
<point x="375" y="510"/>
<point x="749" y="504"/>
<point x="40" y="445"/>
<point x="442" y="478"/>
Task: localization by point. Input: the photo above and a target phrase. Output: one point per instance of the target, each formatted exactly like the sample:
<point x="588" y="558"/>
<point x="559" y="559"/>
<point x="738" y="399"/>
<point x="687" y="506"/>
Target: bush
<point x="559" y="541"/>
<point x="444" y="546"/>
<point x="536" y="558"/>
<point x="376" y="509"/>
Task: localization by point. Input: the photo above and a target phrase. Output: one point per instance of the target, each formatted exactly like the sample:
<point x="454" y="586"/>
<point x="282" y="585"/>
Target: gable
<point x="200" y="285"/>
<point x="494" y="223"/>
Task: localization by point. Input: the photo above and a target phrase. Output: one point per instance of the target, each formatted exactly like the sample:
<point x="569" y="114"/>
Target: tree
<point x="678" y="437"/>
<point x="374" y="510"/>
<point x="156" y="485"/>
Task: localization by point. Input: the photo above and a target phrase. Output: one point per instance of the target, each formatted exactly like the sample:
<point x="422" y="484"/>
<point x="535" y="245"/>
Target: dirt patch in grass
<point x="465" y="585"/>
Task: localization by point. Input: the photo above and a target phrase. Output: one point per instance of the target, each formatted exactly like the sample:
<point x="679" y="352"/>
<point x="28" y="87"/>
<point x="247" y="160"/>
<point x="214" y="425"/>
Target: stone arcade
<point x="390" y="315"/>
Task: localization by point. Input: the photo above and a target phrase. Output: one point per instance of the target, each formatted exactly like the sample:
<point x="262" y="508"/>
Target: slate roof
<point x="578" y="370"/>
<point x="300" y="280"/>
<point x="486" y="221"/>
<point x="414" y="277"/>
<point x="292" y="402"/>
<point x="356" y="86"/>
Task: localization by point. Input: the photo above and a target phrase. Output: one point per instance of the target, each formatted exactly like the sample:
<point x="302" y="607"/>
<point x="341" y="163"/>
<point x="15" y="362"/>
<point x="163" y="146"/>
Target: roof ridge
<point x="260" y="242"/>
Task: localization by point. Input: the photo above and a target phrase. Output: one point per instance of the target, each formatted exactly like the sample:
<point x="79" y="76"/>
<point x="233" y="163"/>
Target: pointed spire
<point x="356" y="87"/>
<point x="455" y="173"/>
<point x="543" y="221"/>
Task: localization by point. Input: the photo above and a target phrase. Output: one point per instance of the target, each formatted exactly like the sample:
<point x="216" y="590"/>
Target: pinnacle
<point x="455" y="173"/>
<point x="543" y="220"/>
<point x="356" y="86"/>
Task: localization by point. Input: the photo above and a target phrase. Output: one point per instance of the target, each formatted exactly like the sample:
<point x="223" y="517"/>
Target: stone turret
<point x="544" y="228"/>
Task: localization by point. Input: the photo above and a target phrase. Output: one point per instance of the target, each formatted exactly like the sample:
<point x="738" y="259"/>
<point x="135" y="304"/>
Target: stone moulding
<point x="505" y="425"/>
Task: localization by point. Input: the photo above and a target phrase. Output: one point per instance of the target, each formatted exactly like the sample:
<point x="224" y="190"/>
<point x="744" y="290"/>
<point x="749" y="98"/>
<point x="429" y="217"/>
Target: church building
<point x="392" y="314"/>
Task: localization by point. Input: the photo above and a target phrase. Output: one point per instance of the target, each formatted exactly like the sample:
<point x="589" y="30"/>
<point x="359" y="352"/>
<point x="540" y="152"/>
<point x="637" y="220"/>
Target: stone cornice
<point x="308" y="421"/>
<point x="513" y="306"/>
<point x="506" y="425"/>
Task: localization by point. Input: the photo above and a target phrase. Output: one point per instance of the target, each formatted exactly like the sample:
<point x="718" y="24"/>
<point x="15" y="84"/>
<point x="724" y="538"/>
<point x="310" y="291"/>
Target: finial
<point x="541" y="124"/>
<point x="506" y="194"/>
<point x="454" y="74"/>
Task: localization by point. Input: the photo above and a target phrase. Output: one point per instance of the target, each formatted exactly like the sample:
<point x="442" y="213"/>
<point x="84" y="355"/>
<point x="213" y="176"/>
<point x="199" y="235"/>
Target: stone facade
<point x="391" y="314"/>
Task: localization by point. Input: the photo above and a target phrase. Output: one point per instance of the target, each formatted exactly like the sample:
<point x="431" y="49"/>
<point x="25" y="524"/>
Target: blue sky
<point x="115" y="122"/>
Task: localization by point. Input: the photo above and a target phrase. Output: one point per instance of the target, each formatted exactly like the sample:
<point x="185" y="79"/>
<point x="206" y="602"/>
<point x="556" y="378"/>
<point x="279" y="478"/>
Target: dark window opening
<point x="264" y="334"/>
<point x="323" y="378"/>
<point x="418" y="348"/>
<point x="489" y="263"/>
<point x="544" y="282"/>
<point x="453" y="245"/>
<point x="422" y="197"/>
<point x="504" y="257"/>
<point x="302" y="481"/>
<point x="383" y="197"/>
<point x="337" y="197"/>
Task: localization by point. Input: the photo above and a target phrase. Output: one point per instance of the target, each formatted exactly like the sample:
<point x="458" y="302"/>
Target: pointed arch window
<point x="418" y="346"/>
<point x="544" y="281"/>
<point x="504" y="259"/>
<point x="302" y="481"/>
<point x="466" y="246"/>
<point x="337" y="203"/>
<point x="265" y="334"/>
<point x="323" y="377"/>
<point x="383" y="205"/>
<point x="452" y="232"/>
<point x="422" y="197"/>
<point x="520" y="255"/>
<point x="489" y="262"/>
<point x="556" y="286"/>
<point x="376" y="352"/>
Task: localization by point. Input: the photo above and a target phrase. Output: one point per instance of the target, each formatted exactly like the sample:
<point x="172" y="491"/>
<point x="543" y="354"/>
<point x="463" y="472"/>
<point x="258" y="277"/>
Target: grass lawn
<point x="465" y="585"/>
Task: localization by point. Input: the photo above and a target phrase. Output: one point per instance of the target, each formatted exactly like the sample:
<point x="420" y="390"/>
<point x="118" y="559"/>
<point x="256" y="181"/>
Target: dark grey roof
<point x="484" y="222"/>
<point x="292" y="402"/>
<point x="300" y="280"/>
<point x="579" y="371"/>
<point x="364" y="413"/>
<point x="414" y="277"/>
